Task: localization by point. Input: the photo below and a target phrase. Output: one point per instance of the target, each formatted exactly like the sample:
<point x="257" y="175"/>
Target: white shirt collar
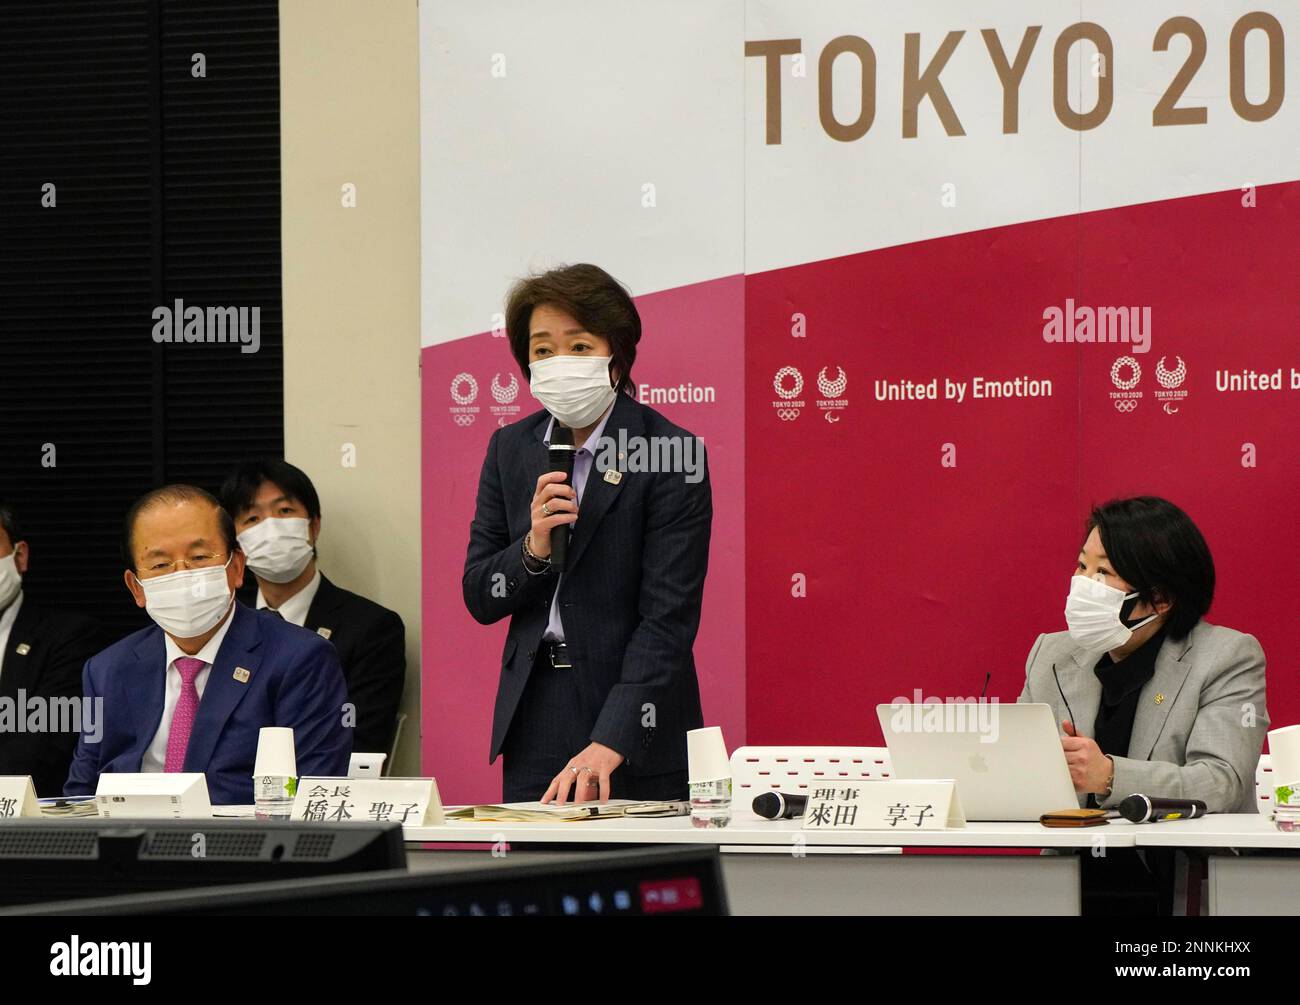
<point x="208" y="654"/>
<point x="593" y="439"/>
<point x="294" y="610"/>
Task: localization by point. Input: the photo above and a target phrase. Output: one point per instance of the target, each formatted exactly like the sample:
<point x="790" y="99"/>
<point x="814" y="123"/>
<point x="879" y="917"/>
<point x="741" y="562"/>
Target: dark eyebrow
<point x="570" y="331"/>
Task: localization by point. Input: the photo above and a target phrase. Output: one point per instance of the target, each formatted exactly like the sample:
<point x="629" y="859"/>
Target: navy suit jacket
<point x="47" y="649"/>
<point x="294" y="679"/>
<point x="631" y="592"/>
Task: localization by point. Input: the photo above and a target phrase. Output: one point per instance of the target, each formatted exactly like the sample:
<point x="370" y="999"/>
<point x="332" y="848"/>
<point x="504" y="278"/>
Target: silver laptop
<point x="1006" y="758"/>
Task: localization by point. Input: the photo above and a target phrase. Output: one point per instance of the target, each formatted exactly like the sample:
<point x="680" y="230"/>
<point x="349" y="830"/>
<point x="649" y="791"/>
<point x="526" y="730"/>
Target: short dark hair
<point x="241" y="485"/>
<point x="1157" y="549"/>
<point x="597" y="301"/>
<point x="177" y="493"/>
<point x="9" y="521"/>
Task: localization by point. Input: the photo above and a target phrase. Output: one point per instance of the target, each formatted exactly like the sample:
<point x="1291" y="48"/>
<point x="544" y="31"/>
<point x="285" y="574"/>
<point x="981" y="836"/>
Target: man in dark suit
<point x="192" y="693"/>
<point x="277" y="516"/>
<point x="42" y="651"/>
<point x="597" y="684"/>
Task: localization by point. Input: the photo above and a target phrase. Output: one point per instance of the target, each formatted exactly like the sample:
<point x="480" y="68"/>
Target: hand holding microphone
<point x="555" y="505"/>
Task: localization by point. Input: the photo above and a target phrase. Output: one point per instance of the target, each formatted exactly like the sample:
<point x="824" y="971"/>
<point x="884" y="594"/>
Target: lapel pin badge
<point x="613" y="476"/>
<point x="324" y="633"/>
<point x="23" y="648"/>
<point x="241" y="675"/>
<point x="1160" y="699"/>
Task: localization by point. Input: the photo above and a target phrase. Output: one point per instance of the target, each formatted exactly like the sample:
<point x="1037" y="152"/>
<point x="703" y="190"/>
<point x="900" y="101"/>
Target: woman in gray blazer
<point x="1150" y="696"/>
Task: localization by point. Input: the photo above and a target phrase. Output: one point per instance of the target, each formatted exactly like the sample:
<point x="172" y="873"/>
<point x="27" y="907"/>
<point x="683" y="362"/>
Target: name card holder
<point x="892" y="804"/>
<point x="413" y="801"/>
<point x="18" y="797"/>
<point x="152" y="795"/>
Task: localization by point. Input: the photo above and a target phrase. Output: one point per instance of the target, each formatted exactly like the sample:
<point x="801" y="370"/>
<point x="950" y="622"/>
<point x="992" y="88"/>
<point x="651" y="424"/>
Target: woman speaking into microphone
<point x="598" y="684"/>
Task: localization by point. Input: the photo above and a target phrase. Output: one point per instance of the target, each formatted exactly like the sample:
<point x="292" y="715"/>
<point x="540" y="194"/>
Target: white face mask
<point x="187" y="603"/>
<point x="10" y="581"/>
<point x="574" y="389"/>
<point x="1094" y="614"/>
<point x="277" y="549"/>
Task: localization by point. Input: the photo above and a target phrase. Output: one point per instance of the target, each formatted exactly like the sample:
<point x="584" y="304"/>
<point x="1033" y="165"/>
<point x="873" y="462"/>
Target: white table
<point x="1264" y="884"/>
<point x="774" y="867"/>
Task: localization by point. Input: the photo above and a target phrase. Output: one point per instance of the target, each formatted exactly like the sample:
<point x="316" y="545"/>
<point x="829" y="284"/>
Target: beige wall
<point x="349" y="113"/>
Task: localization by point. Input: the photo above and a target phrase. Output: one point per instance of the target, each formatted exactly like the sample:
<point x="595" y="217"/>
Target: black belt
<point x="556" y="653"/>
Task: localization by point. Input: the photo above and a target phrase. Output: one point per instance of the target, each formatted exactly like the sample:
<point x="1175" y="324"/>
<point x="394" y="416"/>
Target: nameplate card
<point x="413" y="801"/>
<point x="153" y="795"/>
<point x="18" y="797"/>
<point x="891" y="804"/>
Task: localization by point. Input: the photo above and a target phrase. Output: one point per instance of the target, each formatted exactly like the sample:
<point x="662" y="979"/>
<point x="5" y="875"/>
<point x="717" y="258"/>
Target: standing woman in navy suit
<point x="597" y="683"/>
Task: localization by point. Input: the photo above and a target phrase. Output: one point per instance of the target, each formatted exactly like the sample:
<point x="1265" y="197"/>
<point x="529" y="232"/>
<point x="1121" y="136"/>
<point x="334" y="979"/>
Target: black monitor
<point x="664" y="881"/>
<point x="44" y="860"/>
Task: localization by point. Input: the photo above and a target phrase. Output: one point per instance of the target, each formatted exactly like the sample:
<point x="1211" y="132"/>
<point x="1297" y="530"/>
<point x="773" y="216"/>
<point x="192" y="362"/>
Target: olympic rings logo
<point x="787" y="414"/>
<point x="464" y="419"/>
<point x="1126" y="404"/>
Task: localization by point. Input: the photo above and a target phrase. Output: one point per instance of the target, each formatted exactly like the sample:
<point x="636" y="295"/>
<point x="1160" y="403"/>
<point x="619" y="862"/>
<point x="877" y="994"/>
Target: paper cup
<point x="1284" y="749"/>
<point x="275" y="754"/>
<point x="706" y="755"/>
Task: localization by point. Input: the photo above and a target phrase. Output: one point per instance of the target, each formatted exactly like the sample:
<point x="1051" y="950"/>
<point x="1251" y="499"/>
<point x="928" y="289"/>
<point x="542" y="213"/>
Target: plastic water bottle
<point x="711" y="803"/>
<point x="709" y="772"/>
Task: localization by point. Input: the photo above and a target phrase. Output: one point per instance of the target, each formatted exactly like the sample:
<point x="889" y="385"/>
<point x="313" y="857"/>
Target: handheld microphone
<point x="560" y="455"/>
<point x="779" y="805"/>
<point x="1142" y="809"/>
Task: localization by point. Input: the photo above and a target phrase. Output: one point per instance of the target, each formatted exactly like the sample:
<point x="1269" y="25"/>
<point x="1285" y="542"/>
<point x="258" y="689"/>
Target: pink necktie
<point x="187" y="707"/>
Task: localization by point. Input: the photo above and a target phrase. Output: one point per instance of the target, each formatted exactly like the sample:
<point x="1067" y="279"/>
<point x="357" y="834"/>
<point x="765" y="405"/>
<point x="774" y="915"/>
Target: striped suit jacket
<point x="630" y="596"/>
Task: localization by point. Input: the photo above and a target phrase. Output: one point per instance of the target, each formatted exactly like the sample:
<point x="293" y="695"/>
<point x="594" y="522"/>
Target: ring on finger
<point x="546" y="510"/>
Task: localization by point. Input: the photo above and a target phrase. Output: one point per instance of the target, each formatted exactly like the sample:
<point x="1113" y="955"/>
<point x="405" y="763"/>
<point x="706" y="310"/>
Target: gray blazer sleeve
<point x="1025" y="694"/>
<point x="1224" y="744"/>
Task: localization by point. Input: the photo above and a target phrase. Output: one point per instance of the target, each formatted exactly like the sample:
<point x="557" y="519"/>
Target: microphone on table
<point x="560" y="455"/>
<point x="779" y="805"/>
<point x="1142" y="809"/>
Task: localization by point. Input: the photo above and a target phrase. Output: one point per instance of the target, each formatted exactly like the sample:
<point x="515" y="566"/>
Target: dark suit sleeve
<point x="78" y="640"/>
<point x="310" y="701"/>
<point x="675" y="556"/>
<point x="83" y="776"/>
<point x="375" y="682"/>
<point x="495" y="583"/>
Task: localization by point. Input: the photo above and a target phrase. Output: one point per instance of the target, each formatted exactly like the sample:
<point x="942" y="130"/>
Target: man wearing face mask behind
<point x="597" y="681"/>
<point x="277" y="516"/>
<point x="1151" y="697"/>
<point x="42" y="651"/>
<point x="192" y="693"/>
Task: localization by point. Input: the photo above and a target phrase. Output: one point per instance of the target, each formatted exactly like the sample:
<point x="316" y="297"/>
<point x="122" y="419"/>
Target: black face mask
<point x="1126" y="613"/>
